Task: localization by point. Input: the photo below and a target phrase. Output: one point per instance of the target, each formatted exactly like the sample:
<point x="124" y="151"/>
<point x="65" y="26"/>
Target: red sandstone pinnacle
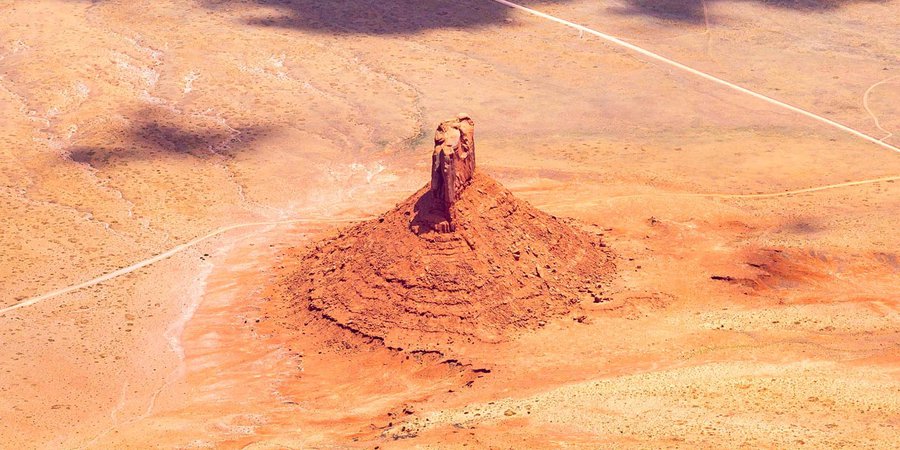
<point x="452" y="165"/>
<point x="462" y="258"/>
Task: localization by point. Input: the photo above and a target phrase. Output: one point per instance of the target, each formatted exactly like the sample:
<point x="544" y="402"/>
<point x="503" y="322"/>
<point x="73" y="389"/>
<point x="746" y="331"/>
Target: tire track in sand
<point x="869" y="110"/>
<point x="182" y="247"/>
<point x="730" y="196"/>
<point x="617" y="41"/>
<point x="768" y="194"/>
<point x="173" y="251"/>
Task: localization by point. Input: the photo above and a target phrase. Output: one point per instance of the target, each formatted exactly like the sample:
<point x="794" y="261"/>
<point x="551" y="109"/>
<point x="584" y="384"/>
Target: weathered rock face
<point x="506" y="267"/>
<point x="460" y="259"/>
<point x="452" y="167"/>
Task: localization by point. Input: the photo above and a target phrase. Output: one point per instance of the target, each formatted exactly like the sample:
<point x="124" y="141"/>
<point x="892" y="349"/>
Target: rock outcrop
<point x="452" y="167"/>
<point x="498" y="265"/>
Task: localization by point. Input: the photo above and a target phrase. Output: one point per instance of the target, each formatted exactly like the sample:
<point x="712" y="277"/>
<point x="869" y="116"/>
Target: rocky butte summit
<point x="461" y="259"/>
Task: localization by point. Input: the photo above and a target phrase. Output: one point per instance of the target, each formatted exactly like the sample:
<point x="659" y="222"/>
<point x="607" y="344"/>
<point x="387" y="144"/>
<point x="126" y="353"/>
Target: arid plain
<point x="754" y="301"/>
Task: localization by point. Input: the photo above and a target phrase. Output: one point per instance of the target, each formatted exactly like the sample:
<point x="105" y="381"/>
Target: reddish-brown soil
<point x="507" y="268"/>
<point x="754" y="298"/>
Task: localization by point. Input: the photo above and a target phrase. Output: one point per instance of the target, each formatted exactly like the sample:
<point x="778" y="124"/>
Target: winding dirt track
<point x="582" y="29"/>
<point x="769" y="194"/>
<point x="714" y="79"/>
<point x="728" y="196"/>
<point x="214" y="233"/>
<point x="869" y="110"/>
<point x="164" y="255"/>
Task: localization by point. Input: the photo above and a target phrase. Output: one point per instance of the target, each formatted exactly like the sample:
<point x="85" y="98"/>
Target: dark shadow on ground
<point x="692" y="11"/>
<point x="155" y="133"/>
<point x="374" y="17"/>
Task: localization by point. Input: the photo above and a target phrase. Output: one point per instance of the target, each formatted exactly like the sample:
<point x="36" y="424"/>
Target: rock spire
<point x="452" y="167"/>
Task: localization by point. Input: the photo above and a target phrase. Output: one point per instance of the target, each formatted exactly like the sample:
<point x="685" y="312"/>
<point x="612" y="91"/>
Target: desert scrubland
<point x="745" y="256"/>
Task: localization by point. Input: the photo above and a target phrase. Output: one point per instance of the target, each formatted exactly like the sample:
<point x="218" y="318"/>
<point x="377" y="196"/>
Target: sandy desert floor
<point x="755" y="301"/>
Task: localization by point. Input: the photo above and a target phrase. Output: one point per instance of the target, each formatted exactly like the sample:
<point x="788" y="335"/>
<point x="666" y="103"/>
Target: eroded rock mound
<point x="411" y="279"/>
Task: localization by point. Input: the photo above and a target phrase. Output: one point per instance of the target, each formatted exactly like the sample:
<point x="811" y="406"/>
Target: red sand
<point x="731" y="320"/>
